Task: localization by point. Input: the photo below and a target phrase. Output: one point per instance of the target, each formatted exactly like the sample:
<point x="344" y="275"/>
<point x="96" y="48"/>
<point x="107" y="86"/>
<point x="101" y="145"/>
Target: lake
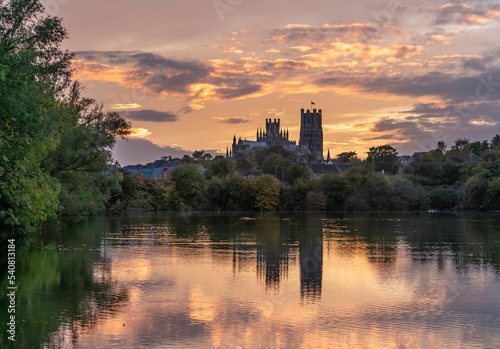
<point x="260" y="280"/>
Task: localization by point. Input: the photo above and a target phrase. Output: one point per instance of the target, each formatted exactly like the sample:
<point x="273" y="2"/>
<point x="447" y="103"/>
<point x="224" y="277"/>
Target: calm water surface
<point x="301" y="280"/>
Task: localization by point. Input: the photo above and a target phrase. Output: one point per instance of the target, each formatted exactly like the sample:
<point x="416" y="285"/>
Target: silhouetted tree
<point x="347" y="157"/>
<point x="384" y="157"/>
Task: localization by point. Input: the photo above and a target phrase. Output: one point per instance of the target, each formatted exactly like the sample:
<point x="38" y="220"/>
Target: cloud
<point x="150" y="115"/>
<point x="453" y="88"/>
<point x="421" y="127"/>
<point x="428" y="110"/>
<point x="125" y="106"/>
<point x="139" y="132"/>
<point x="154" y="72"/>
<point x="298" y="33"/>
<point x="231" y="120"/>
<point x="466" y="15"/>
<point x="353" y="54"/>
<point x="237" y="92"/>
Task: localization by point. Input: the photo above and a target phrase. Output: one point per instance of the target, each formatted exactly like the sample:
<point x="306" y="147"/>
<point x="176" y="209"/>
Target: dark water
<point x="301" y="280"/>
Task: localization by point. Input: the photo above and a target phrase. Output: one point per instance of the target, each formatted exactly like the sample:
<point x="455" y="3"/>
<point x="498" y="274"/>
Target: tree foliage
<point x="33" y="72"/>
<point x="190" y="186"/>
<point x="384" y="158"/>
<point x="347" y="157"/>
<point x="266" y="190"/>
<point x="46" y="128"/>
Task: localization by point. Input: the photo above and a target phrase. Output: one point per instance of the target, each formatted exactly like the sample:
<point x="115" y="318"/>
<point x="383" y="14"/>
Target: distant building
<point x="272" y="135"/>
<point x="311" y="137"/>
<point x="404" y="160"/>
<point x="311" y="132"/>
<point x="155" y="170"/>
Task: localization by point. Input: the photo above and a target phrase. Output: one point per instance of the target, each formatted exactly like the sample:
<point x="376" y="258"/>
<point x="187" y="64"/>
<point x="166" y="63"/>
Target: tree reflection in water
<point x="64" y="286"/>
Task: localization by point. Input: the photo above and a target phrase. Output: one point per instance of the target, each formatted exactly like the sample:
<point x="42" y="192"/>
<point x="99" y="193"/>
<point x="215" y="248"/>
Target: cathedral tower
<point x="311" y="132"/>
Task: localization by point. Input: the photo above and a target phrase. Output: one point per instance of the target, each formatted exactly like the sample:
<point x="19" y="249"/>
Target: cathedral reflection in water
<point x="278" y="243"/>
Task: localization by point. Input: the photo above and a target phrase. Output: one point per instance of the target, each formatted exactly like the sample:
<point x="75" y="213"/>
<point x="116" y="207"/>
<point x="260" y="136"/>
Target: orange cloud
<point x="125" y="106"/>
<point x="364" y="51"/>
<point x="139" y="132"/>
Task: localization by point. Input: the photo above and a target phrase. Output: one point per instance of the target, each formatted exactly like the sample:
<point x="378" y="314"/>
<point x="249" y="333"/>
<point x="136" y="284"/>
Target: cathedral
<point x="311" y="132"/>
<point x="311" y="137"/>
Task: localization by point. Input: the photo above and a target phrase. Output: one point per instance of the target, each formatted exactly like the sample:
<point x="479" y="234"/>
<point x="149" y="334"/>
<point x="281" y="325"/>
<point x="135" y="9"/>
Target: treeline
<point x="55" y="144"/>
<point x="439" y="180"/>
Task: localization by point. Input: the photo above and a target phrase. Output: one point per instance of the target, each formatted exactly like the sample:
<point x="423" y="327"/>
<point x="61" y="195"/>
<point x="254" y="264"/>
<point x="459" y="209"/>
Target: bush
<point x="492" y="201"/>
<point x="266" y="192"/>
<point x="476" y="188"/>
<point x="294" y="197"/>
<point x="444" y="198"/>
<point x="336" y="190"/>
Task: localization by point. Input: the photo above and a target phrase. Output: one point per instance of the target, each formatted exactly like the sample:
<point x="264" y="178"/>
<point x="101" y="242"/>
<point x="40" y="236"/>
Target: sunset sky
<point x="190" y="74"/>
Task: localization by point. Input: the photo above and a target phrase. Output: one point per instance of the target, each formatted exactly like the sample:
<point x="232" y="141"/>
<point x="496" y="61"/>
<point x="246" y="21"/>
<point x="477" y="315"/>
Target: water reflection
<point x="64" y="284"/>
<point x="265" y="280"/>
<point x="272" y="251"/>
<point x="311" y="258"/>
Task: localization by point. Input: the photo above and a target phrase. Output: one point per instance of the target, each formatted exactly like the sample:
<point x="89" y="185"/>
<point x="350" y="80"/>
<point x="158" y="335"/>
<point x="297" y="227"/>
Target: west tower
<point x="311" y="132"/>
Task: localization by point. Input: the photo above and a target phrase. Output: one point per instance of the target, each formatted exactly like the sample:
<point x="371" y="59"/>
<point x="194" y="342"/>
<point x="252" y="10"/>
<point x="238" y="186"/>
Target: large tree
<point x="33" y="72"/>
<point x="347" y="157"/>
<point x="266" y="190"/>
<point x="46" y="127"/>
<point x="384" y="157"/>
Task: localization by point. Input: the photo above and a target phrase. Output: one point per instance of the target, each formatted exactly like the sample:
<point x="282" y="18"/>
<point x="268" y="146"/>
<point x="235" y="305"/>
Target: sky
<point x="191" y="74"/>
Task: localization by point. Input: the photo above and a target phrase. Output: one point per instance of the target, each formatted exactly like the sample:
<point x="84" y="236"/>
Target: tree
<point x="461" y="144"/>
<point x="219" y="167"/>
<point x="384" y="157"/>
<point x="229" y="193"/>
<point x="433" y="168"/>
<point x="495" y="143"/>
<point x="492" y="201"/>
<point x="243" y="164"/>
<point x="186" y="159"/>
<point x="25" y="28"/>
<point x="54" y="143"/>
<point x="316" y="201"/>
<point x="347" y="157"/>
<point x="271" y="161"/>
<point x="190" y="186"/>
<point x="336" y="189"/>
<point x="259" y="154"/>
<point x="266" y="191"/>
<point x="479" y="147"/>
<point x="200" y="155"/>
<point x="294" y="197"/>
<point x="460" y="150"/>
<point x="33" y="72"/>
<point x="441" y="146"/>
<point x="298" y="172"/>
<point x="82" y="158"/>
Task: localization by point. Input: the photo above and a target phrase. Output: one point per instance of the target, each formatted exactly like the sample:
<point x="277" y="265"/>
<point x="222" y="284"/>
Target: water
<point x="301" y="280"/>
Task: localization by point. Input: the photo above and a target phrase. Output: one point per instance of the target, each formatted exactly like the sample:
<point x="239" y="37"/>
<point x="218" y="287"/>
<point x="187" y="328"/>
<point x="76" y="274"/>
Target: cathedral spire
<point x="328" y="156"/>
